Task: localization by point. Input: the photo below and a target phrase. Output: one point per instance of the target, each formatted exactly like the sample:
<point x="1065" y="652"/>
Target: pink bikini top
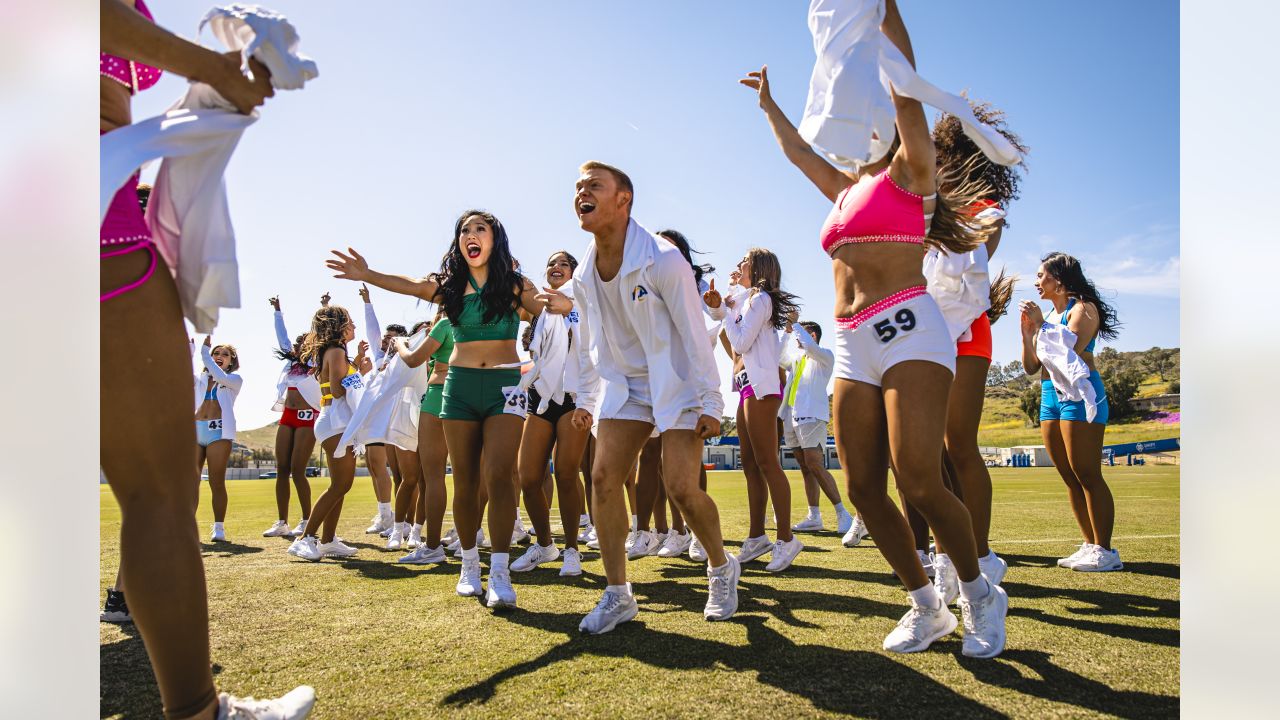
<point x="875" y="211"/>
<point x="135" y="76"/>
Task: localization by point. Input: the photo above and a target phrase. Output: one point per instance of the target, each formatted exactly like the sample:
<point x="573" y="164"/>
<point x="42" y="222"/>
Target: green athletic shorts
<point x="476" y="393"/>
<point x="432" y="399"/>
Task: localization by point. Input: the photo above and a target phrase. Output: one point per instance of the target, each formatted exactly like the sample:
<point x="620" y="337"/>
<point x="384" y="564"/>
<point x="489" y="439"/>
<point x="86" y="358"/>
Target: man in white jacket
<point x="645" y="364"/>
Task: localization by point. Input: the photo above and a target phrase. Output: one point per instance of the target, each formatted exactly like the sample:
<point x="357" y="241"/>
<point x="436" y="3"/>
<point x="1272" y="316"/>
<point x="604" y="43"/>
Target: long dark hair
<point x="498" y="296"/>
<point x="294" y="355"/>
<point x="955" y="148"/>
<point x="1066" y="270"/>
<point x="681" y="242"/>
<point x="766" y="275"/>
<point x="1000" y="294"/>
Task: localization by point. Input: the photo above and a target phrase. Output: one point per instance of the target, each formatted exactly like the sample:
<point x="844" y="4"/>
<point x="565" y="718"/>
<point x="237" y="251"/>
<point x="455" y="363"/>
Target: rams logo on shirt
<point x="639" y="293"/>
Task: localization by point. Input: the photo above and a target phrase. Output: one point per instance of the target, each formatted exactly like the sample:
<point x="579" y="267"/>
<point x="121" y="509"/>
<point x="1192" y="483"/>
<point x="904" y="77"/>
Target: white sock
<point x="814" y="513"/>
<point x="926" y="597"/>
<point x="717" y="569"/>
<point x="519" y="523"/>
<point x="218" y="525"/>
<point x="473" y="553"/>
<point x="416" y="529"/>
<point x="498" y="561"/>
<point x="635" y="523"/>
<point x="624" y="589"/>
<point x="840" y="509"/>
<point x="384" y="508"/>
<point x="975" y="589"/>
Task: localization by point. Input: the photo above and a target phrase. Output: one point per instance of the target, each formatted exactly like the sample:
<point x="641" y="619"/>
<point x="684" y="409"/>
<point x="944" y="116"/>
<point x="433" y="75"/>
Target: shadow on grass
<point x="226" y="548"/>
<point x="1052" y="682"/>
<point x="1172" y="571"/>
<point x="126" y="685"/>
<point x="865" y="683"/>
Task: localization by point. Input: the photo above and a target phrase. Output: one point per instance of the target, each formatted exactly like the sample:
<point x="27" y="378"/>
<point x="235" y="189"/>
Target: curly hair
<point x="1001" y="295"/>
<point x="955" y="227"/>
<point x="1067" y="270"/>
<point x="327" y="327"/>
<point x="766" y="275"/>
<point x="681" y="242"/>
<point x="500" y="292"/>
<point x="954" y="149"/>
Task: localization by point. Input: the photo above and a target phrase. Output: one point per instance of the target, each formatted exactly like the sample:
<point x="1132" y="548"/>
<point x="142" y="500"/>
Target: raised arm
<point x="231" y="380"/>
<point x="829" y="180"/>
<point x="351" y="265"/>
<point x="916" y="155"/>
<point x="415" y="357"/>
<point x="372" y="329"/>
<point x="282" y="334"/>
<point x="812" y="349"/>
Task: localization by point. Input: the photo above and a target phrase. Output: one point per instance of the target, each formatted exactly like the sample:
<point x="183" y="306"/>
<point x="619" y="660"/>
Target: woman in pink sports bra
<point x="895" y="358"/>
<point x="147" y="433"/>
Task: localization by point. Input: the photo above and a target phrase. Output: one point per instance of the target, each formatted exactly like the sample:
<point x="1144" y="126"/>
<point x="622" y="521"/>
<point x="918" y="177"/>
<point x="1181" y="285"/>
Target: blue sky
<point x="423" y="110"/>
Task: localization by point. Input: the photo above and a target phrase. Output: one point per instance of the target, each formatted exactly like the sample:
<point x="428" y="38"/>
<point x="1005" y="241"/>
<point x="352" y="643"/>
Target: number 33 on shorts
<point x="517" y="401"/>
<point x="903" y="321"/>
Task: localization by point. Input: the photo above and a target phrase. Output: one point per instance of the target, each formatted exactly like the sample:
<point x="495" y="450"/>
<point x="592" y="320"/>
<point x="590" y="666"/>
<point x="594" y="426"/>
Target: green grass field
<point x="383" y="640"/>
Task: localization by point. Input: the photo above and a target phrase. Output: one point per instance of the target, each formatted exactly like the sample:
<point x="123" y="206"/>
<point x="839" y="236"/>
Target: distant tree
<point x="1162" y="362"/>
<point x="996" y="376"/>
<point x="1029" y="402"/>
<point x="1121" y="376"/>
<point x="728" y="427"/>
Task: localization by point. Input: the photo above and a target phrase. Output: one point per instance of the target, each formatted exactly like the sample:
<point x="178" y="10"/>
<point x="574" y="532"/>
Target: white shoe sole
<point x="774" y="566"/>
<point x="494" y="602"/>
<point x="855" y="541"/>
<point x="807" y="527"/>
<point x="1110" y="567"/>
<point x="462" y="593"/>
<point x="924" y="644"/>
<point x="117" y="618"/>
<point x="626" y="616"/>
<point x="745" y="558"/>
<point x="570" y="574"/>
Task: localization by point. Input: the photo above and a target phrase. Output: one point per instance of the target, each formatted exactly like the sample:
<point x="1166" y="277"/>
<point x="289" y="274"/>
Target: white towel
<point x="1055" y="347"/>
<point x="849" y="115"/>
<point x="387" y="411"/>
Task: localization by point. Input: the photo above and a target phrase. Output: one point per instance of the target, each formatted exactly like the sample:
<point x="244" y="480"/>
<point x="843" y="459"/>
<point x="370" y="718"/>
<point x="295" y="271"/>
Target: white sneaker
<point x="856" y="533"/>
<point x="844" y="521"/>
<point x="659" y="539"/>
<point x="397" y="538"/>
<point x="337" y="549"/>
<point x="632" y="537"/>
<point x="612" y="609"/>
<point x="675" y="545"/>
<point x="925" y="562"/>
<point x="219" y="534"/>
<point x="501" y="594"/>
<point x="469" y="579"/>
<point x="644" y="540"/>
<point x="722" y="590"/>
<point x="945" y="579"/>
<point x="300" y="529"/>
<point x="753" y="548"/>
<point x="1076" y="556"/>
<point x="306" y="547"/>
<point x="450" y="536"/>
<point x="809" y="524"/>
<point x="279" y="529"/>
<point x="572" y="563"/>
<point x="584" y="534"/>
<point x="481" y="540"/>
<point x="535" y="556"/>
<point x="294" y="705"/>
<point x="984" y="632"/>
<point x="519" y="534"/>
<point x="454" y="547"/>
<point x="697" y="553"/>
<point x="584" y="520"/>
<point x="783" y="554"/>
<point x="380" y="523"/>
<point x="593" y="539"/>
<point x="423" y="555"/>
<point x="918" y="629"/>
<point x="1099" y="559"/>
<point x="415" y="538"/>
<point x="993" y="567"/>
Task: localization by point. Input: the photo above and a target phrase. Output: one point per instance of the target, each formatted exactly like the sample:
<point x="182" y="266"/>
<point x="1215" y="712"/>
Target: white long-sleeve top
<point x="811" y="385"/>
<point x="655" y="287"/>
<point x="228" y="388"/>
<point x="1056" y="350"/>
<point x="961" y="283"/>
<point x="373" y="332"/>
<point x="305" y="382"/>
<point x="550" y="352"/>
<point x="753" y="337"/>
<point x="849" y="98"/>
<point x="188" y="213"/>
<point x="572" y="370"/>
<point x="387" y="412"/>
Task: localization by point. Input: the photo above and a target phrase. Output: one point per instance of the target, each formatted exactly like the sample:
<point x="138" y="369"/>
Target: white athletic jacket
<point x="388" y="410"/>
<point x="960" y="284"/>
<point x="550" y="352"/>
<point x="1056" y="350"/>
<point x="752" y="337"/>
<point x="306" y="384"/>
<point x="849" y="96"/>
<point x="228" y="385"/>
<point x="667" y="312"/>
<point x="811" y="387"/>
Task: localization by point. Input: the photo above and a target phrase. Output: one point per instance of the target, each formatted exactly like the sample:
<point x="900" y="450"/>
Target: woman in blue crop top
<point x="483" y="406"/>
<point x="1073" y="441"/>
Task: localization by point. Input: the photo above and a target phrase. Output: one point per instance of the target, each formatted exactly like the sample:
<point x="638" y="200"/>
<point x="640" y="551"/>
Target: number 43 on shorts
<point x="903" y="321"/>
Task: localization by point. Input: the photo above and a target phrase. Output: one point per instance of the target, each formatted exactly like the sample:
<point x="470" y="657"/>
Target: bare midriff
<point x="294" y="401"/>
<point x="484" y="354"/>
<point x="869" y="272"/>
<point x="209" y="409"/>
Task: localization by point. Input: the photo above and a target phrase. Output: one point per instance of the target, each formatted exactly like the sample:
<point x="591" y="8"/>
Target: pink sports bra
<point x="135" y="76"/>
<point x="875" y="211"/>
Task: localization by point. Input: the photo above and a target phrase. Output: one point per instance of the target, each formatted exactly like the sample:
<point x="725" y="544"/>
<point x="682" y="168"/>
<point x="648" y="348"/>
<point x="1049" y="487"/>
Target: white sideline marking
<point x="1074" y="539"/>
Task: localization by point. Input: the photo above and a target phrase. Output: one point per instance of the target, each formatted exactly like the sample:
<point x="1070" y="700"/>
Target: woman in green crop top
<point x="482" y="406"/>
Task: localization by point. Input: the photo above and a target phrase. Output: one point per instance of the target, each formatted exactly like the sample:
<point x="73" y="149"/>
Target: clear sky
<point x="423" y="110"/>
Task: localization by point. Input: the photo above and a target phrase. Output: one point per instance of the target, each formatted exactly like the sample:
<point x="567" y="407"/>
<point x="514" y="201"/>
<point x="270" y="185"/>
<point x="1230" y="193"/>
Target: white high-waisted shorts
<point x="907" y="325"/>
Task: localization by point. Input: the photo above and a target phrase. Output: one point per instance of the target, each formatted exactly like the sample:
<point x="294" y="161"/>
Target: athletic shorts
<point x="907" y="325"/>
<point x="433" y="399"/>
<point x="478" y="393"/>
<point x="1053" y="409"/>
<point x="804" y="433"/>
<point x="208" y="432"/>
<point x="979" y="344"/>
<point x="333" y="420"/>
<point x="639" y="406"/>
<point x="555" y="410"/>
<point x="303" y="418"/>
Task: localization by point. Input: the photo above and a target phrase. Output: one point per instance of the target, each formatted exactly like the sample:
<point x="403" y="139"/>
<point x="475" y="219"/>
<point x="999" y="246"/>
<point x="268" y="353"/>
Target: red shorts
<point x="980" y="344"/>
<point x="298" y="418"/>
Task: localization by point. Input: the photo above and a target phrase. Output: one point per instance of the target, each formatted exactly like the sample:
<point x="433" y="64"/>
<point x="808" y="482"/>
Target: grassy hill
<point x="1004" y="424"/>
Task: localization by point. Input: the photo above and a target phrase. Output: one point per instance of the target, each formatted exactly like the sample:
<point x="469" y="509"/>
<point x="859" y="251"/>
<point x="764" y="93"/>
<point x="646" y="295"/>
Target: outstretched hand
<point x="324" y="299"/>
<point x="364" y="293"/>
<point x="208" y="341"/>
<point x="275" y="302"/>
<point x="350" y="265"/>
<point x="759" y="81"/>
